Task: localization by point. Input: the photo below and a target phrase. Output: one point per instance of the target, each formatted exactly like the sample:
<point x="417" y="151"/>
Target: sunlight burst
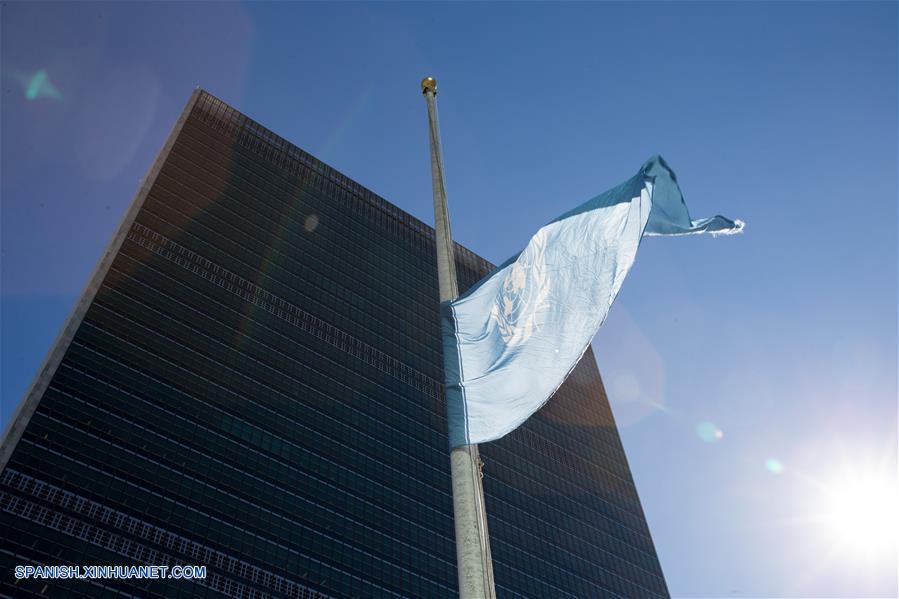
<point x="859" y="511"/>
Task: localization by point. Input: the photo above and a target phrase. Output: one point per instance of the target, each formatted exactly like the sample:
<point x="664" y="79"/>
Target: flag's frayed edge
<point x="735" y="230"/>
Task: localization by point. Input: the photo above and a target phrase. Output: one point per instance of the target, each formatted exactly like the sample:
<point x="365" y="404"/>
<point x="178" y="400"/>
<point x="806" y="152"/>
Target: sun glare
<point x="860" y="513"/>
<point x="846" y="516"/>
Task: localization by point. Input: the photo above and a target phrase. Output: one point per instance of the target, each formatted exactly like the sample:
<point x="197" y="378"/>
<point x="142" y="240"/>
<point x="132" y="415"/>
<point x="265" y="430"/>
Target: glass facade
<point x="255" y="387"/>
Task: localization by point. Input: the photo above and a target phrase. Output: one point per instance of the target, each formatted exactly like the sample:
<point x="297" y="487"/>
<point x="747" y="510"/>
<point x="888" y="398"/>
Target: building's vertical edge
<point x="614" y="426"/>
<point x="41" y="381"/>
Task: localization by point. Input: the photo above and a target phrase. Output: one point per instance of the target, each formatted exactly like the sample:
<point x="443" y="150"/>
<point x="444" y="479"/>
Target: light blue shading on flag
<point x="511" y="340"/>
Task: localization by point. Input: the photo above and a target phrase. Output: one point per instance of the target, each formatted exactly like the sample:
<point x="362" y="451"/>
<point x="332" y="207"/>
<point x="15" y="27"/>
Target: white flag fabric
<point x="511" y="340"/>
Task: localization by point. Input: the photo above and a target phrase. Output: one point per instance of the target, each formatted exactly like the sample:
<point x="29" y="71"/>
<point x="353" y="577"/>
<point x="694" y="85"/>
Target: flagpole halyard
<point x="474" y="564"/>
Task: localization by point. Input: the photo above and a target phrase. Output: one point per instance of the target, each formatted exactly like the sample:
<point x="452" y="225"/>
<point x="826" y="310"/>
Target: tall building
<point x="251" y="381"/>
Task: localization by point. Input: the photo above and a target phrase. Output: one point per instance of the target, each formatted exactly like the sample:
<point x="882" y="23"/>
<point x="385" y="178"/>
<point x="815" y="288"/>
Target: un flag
<point x="513" y="338"/>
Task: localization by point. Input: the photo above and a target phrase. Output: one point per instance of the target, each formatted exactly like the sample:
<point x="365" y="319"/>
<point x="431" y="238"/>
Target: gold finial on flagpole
<point x="429" y="84"/>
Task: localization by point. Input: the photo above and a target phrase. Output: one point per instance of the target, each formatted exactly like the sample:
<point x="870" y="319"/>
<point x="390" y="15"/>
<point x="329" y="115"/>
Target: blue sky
<point x="784" y="115"/>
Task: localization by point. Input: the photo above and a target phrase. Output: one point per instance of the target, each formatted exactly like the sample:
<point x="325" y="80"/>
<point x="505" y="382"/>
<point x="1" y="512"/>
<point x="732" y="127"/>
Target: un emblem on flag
<point x="523" y="293"/>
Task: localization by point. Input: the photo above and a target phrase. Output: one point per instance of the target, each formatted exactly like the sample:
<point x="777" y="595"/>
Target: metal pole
<point x="475" y="567"/>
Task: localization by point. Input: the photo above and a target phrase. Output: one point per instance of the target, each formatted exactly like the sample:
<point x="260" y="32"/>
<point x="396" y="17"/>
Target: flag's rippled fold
<point x="512" y="339"/>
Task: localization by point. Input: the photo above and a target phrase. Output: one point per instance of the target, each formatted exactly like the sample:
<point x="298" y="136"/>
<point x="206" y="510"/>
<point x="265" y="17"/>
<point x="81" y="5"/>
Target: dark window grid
<point x="422" y="302"/>
<point x="266" y="457"/>
<point x="254" y="379"/>
<point x="509" y="504"/>
<point x="337" y="303"/>
<point x="605" y="433"/>
<point x="140" y="552"/>
<point x="269" y="527"/>
<point x="320" y="390"/>
<point x="280" y="307"/>
<point x="157" y="433"/>
<point x="578" y="439"/>
<point x="358" y="243"/>
<point x="582" y="520"/>
<point x="125" y="475"/>
<point x="532" y="474"/>
<point x="581" y="543"/>
<point x="546" y="437"/>
<point x="580" y="558"/>
<point x="246" y="173"/>
<point x="559" y="453"/>
<point x="513" y="525"/>
<point x="325" y="279"/>
<point x="233" y="204"/>
<point x="532" y="445"/>
<point x="434" y="414"/>
<point x="595" y="435"/>
<point x="414" y="482"/>
<point x="236" y="127"/>
<point x="519" y="574"/>
<point x="196" y="466"/>
<point x="576" y="392"/>
<point x="325" y="383"/>
<point x="502" y="590"/>
<point x="507" y="585"/>
<point x="193" y="326"/>
<point x="428" y="448"/>
<point x="503" y="549"/>
<point x="539" y="584"/>
<point x="364" y="228"/>
<point x="585" y="398"/>
<point x="568" y="471"/>
<point x="507" y="576"/>
<point x="527" y="591"/>
<point x="274" y="184"/>
<point x="539" y="438"/>
<point x="410" y="490"/>
<point x="572" y="507"/>
<point x="284" y="149"/>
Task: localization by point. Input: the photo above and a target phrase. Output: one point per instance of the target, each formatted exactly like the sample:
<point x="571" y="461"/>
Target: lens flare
<point x="708" y="432"/>
<point x="624" y="386"/>
<point x="310" y="223"/>
<point x="774" y="466"/>
<point x="39" y="85"/>
<point x="345" y="124"/>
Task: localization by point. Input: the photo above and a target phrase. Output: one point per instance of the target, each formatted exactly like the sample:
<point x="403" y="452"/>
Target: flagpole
<point x="473" y="561"/>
